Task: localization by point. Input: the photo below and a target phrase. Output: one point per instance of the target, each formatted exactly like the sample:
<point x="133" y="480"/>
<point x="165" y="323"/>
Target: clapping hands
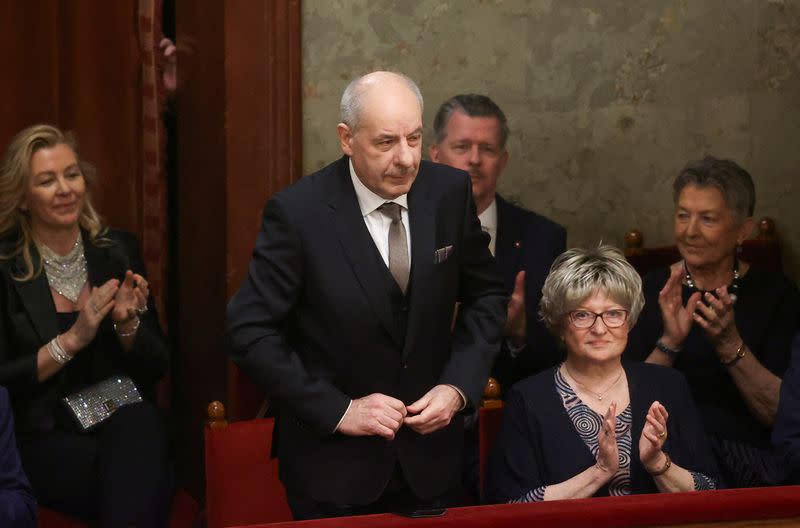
<point x="130" y="299"/>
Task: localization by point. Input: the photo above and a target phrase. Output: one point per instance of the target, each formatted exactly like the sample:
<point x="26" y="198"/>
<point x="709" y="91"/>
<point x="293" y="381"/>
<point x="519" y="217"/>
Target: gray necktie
<point x="398" y="245"/>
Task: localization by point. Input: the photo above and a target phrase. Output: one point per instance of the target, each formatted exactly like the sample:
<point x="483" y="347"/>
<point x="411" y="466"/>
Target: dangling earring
<point x="739" y="248"/>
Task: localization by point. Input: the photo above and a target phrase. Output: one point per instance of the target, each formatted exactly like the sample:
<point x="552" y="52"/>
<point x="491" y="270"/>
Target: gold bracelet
<point x="740" y="352"/>
<point x="667" y="465"/>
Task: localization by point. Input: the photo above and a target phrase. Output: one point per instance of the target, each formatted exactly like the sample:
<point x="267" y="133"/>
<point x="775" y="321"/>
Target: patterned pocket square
<point x="441" y="254"/>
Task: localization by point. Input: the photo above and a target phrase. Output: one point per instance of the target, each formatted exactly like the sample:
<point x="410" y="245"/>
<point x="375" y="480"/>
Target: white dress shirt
<point x="378" y="223"/>
<point x="488" y="220"/>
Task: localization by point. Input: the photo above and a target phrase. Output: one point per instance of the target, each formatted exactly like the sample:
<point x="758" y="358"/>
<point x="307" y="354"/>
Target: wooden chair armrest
<point x="216" y="415"/>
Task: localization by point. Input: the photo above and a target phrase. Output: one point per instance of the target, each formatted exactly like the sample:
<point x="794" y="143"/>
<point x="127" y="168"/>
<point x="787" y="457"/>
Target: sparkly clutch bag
<point x="94" y="404"/>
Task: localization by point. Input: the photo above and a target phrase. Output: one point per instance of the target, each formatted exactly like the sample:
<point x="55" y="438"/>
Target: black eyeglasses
<point x="585" y="319"/>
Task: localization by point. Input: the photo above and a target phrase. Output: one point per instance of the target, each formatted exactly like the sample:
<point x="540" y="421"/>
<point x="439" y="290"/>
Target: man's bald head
<point x="356" y="93"/>
<point x="381" y="131"/>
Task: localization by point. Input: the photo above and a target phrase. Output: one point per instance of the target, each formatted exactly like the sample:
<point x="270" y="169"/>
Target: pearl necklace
<point x="65" y="274"/>
<point x="733" y="288"/>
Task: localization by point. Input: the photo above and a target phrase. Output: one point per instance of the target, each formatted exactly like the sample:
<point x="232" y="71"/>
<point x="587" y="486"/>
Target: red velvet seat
<point x="242" y="484"/>
<point x="185" y="511"/>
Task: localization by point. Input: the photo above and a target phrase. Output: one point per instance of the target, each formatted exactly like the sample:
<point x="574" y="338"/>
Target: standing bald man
<point x="345" y="317"/>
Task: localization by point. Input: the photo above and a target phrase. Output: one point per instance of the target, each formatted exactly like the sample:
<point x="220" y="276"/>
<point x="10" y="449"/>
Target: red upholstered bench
<point x="719" y="508"/>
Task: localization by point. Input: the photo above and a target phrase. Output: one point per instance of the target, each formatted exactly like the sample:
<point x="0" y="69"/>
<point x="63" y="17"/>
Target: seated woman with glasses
<point x="596" y="426"/>
<point x="726" y="326"/>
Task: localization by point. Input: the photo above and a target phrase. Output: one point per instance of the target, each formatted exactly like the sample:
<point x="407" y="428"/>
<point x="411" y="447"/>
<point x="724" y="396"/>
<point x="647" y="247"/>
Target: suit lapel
<point x="102" y="264"/>
<point x="423" y="229"/>
<point x="38" y="300"/>
<point x="358" y="246"/>
<point x="508" y="246"/>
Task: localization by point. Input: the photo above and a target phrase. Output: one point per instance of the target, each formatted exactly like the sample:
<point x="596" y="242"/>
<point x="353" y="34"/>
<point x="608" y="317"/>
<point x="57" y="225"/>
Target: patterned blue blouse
<point x="588" y="424"/>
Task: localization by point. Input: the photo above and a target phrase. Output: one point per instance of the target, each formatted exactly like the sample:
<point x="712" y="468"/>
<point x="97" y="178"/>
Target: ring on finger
<point x="142" y="310"/>
<point x="662" y="434"/>
<point x="94" y="307"/>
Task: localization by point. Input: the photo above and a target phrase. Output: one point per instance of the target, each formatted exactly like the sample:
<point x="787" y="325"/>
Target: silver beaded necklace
<point x="65" y="274"/>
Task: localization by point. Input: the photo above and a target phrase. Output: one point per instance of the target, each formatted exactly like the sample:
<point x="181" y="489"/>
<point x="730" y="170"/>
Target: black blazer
<point x="16" y="497"/>
<point x="538" y="444"/>
<point x="319" y="321"/>
<point x="527" y="241"/>
<point x="28" y="321"/>
<point x="786" y="432"/>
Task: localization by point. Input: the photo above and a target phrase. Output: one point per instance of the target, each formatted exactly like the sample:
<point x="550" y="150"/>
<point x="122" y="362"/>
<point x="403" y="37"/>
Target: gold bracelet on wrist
<point x="740" y="352"/>
<point x="667" y="465"/>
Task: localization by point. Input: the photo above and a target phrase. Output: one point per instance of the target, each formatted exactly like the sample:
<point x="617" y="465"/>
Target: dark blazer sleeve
<point x="527" y="242"/>
<point x="18" y="370"/>
<point x="542" y="349"/>
<point x="17" y="505"/>
<point x="515" y="466"/>
<point x="786" y="431"/>
<point x="687" y="445"/>
<point x="482" y="315"/>
<point x="148" y="359"/>
<point x="258" y="318"/>
<point x="775" y="351"/>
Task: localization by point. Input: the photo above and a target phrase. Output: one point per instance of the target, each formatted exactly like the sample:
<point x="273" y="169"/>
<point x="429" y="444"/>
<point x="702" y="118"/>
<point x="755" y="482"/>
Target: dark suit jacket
<point x="538" y="444"/>
<point x="28" y="321"/>
<point x="319" y="321"/>
<point x="786" y="432"/>
<point x="527" y="241"/>
<point x="17" y="505"/>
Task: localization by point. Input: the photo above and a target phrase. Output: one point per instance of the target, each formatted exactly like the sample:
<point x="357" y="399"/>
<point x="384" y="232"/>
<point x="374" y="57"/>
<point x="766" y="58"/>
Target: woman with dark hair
<point x="594" y="425"/>
<point x="725" y="325"/>
<point x="79" y="341"/>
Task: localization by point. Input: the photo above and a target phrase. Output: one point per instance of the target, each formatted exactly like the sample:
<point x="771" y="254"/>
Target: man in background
<point x="471" y="132"/>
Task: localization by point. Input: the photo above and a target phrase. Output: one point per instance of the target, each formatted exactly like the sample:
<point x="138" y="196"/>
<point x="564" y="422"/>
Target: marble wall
<point x="606" y="100"/>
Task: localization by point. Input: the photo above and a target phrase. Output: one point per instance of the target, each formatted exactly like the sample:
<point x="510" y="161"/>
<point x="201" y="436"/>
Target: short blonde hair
<point x="578" y="273"/>
<point x="15" y="172"/>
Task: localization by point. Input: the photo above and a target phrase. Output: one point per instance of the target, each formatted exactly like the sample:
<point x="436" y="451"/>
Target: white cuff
<point x="342" y="418"/>
<point x="463" y="397"/>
